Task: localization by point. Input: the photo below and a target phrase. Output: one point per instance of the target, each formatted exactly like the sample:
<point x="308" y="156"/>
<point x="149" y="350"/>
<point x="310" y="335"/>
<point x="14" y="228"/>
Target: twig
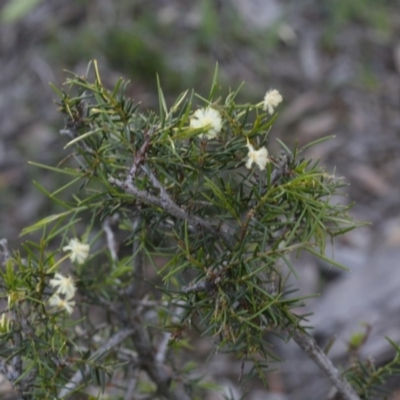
<point x="135" y="291"/>
<point x="158" y="372"/>
<point x="139" y="156"/>
<point x="114" y="341"/>
<point x="282" y="168"/>
<point x="308" y="344"/>
<point x="130" y="390"/>
<point x="111" y="242"/>
<point x="163" y="345"/>
<point x="201" y="286"/>
<point x="165" y="197"/>
<point x="170" y="207"/>
<point x="137" y="251"/>
<point x="73" y="124"/>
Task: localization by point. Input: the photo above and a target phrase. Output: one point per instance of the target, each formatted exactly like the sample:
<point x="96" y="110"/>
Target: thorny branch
<point x="307" y="343"/>
<point x="165" y="201"/>
<point x="154" y="368"/>
<point x="139" y="156"/>
<point x="171" y="207"/>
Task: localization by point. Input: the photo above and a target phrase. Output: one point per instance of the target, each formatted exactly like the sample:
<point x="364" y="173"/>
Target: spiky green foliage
<point x="253" y="219"/>
<point x="219" y="233"/>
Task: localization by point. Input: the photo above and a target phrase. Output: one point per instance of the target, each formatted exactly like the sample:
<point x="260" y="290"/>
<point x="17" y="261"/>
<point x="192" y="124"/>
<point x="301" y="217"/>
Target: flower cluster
<point x="210" y="121"/>
<point x="65" y="287"/>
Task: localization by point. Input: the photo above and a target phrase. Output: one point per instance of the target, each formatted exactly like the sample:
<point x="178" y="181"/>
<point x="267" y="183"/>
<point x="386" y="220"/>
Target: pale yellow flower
<point x="271" y="100"/>
<point x="64" y="304"/>
<point x="259" y="157"/>
<point x="208" y="119"/>
<point x="79" y="251"/>
<point x="65" y="284"/>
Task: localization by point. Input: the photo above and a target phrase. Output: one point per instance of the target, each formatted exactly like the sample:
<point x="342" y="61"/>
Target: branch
<point x="111" y="241"/>
<point x="201" y="286"/>
<point x="136" y="289"/>
<point x="282" y="168"/>
<point x="163" y="345"/>
<point x="139" y="156"/>
<point x="130" y="390"/>
<point x="157" y="371"/>
<point x="308" y="344"/>
<point x="168" y="205"/>
<point x="165" y="197"/>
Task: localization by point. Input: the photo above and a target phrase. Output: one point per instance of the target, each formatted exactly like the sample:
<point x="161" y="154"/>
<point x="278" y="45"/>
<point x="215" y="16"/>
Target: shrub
<point x="171" y="222"/>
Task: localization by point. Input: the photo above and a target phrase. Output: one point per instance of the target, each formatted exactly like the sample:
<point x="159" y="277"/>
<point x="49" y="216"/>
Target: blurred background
<point x="337" y="65"/>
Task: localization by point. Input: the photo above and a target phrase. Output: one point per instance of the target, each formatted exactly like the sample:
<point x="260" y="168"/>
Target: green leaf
<point x="55" y="199"/>
<point x="65" y="171"/>
<point x="116" y="88"/>
<point x="284" y="146"/>
<point x="83" y="136"/>
<point x="328" y="260"/>
<point x="56" y="89"/>
<point x="179" y="101"/>
<point x="45" y="221"/>
<point x="161" y="100"/>
<point x="214" y="84"/>
<point x="315" y="142"/>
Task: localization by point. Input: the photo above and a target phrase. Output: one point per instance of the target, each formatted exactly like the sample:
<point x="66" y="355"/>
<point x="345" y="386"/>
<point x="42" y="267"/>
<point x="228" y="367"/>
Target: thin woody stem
<point x="308" y="344"/>
<point x="170" y="207"/>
